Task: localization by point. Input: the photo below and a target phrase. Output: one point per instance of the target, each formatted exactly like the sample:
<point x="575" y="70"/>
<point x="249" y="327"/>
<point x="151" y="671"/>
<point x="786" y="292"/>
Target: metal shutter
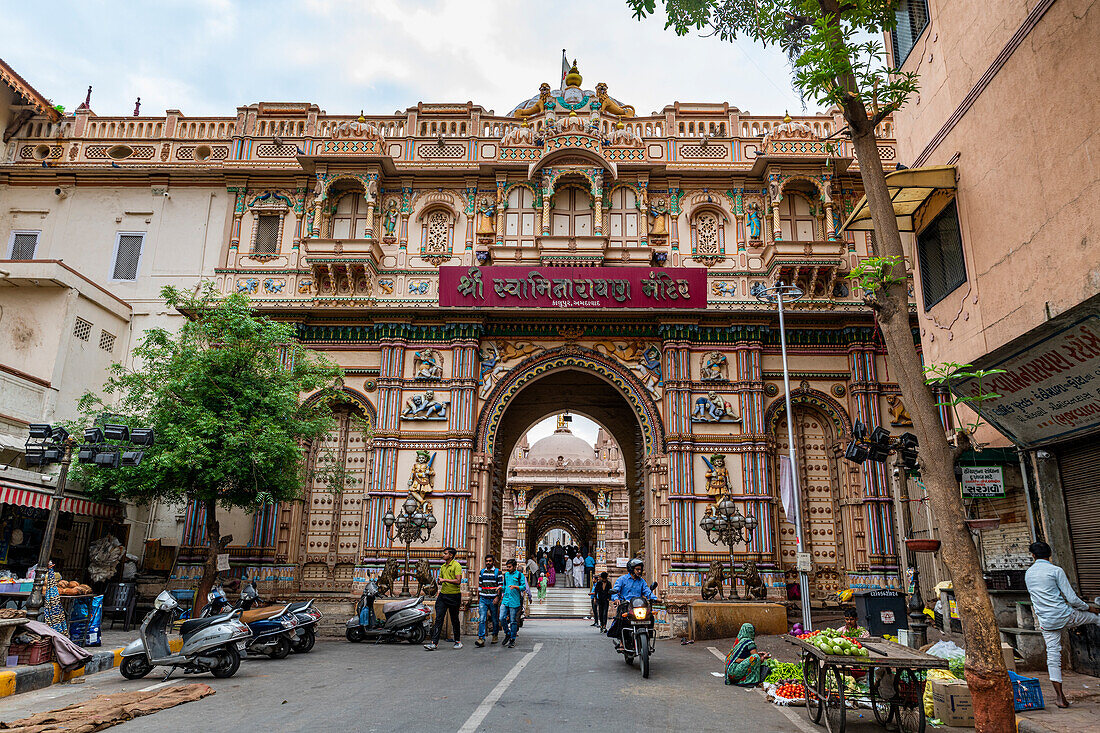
<point x="267" y="234"/>
<point x="129" y="254"/>
<point x="23" y="245"/>
<point x="1080" y="468"/>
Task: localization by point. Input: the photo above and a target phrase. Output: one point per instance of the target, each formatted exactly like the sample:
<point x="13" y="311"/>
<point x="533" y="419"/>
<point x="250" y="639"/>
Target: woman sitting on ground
<point x="745" y="665"/>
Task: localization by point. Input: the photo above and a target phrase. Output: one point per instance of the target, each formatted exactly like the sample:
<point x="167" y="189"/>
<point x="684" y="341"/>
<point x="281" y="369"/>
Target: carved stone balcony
<point x="342" y="267"/>
<point x="812" y="265"/>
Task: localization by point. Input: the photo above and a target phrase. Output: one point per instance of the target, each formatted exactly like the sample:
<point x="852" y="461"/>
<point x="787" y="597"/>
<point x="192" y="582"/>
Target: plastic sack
<point x="947" y="650"/>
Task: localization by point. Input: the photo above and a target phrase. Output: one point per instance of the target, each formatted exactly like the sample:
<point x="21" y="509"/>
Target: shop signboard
<point x="982" y="481"/>
<point x="584" y="288"/>
<point x="1050" y="388"/>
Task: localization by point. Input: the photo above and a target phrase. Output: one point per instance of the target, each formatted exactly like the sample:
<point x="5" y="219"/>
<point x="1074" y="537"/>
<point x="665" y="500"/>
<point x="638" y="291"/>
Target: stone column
<point x="500" y="207"/>
<point x="238" y="213"/>
<point x="597" y="209"/>
<point x="546" y="193"/>
<point x="777" y="229"/>
<point x="830" y="231"/>
<point x="643" y="204"/>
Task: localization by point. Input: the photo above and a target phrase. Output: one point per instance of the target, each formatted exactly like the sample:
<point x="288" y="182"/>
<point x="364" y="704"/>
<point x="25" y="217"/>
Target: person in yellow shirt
<point x="449" y="599"/>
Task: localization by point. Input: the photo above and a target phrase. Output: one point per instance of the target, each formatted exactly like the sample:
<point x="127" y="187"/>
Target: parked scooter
<point x="402" y="620"/>
<point x="210" y="644"/>
<point x="273" y="627"/>
<point x="308" y="618"/>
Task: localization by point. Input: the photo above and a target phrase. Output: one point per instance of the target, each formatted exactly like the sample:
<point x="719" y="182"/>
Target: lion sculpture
<point x="425" y="581"/>
<point x="609" y="105"/>
<point x="754" y="584"/>
<point x="389" y="574"/>
<point x="712" y="584"/>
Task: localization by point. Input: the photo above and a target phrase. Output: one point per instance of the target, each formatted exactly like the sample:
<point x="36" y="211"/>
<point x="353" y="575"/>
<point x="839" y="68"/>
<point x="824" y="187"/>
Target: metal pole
<point x="34" y="602"/>
<point x="405" y="581"/>
<point x="803" y="580"/>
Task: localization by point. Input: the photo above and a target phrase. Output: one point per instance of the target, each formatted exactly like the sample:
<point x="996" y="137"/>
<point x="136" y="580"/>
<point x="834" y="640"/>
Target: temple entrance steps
<point x="562" y="603"/>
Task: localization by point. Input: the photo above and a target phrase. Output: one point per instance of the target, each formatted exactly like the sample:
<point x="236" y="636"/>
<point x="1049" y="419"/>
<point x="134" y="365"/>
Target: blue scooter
<point x="272" y="627"/>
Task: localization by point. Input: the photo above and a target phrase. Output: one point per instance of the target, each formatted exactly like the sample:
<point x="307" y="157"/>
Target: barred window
<point x="82" y="329"/>
<point x="106" y="341"/>
<point x="912" y="17"/>
<point x="23" y="245"/>
<point x="267" y="234"/>
<point x="128" y="256"/>
<point x="939" y="249"/>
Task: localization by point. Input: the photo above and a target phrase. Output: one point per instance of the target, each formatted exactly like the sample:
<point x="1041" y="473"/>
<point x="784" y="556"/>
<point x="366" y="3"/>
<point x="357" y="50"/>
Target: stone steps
<point x="562" y="603"/>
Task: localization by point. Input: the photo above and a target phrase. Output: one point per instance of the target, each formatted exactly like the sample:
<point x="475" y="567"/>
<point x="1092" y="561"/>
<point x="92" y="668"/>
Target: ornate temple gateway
<point x="474" y="273"/>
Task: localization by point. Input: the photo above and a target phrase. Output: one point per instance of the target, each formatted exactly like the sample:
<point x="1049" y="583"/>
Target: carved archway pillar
<point x="547" y="192"/>
<point x="597" y="209"/>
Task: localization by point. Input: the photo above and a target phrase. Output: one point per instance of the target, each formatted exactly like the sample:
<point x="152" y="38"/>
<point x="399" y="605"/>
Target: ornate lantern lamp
<point x="412" y="524"/>
<point x="727" y="526"/>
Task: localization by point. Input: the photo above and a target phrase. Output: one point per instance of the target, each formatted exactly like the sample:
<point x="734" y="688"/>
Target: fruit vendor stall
<point x="840" y="672"/>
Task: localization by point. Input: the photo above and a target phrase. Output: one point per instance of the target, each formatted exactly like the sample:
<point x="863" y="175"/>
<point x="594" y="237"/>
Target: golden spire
<point x="786" y="116"/>
<point x="361" y="117"/>
<point x="573" y="78"/>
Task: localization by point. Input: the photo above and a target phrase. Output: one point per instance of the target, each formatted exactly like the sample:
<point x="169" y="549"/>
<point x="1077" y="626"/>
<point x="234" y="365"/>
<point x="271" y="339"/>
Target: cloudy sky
<point x="206" y="57"/>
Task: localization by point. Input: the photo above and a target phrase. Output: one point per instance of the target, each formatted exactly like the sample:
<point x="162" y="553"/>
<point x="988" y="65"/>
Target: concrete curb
<point x="35" y="677"/>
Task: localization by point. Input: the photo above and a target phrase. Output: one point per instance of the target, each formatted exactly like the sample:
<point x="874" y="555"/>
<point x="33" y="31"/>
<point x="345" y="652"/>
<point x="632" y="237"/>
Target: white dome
<point x="564" y="444"/>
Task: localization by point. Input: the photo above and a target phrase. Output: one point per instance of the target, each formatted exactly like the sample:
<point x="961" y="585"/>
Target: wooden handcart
<point x="826" y="696"/>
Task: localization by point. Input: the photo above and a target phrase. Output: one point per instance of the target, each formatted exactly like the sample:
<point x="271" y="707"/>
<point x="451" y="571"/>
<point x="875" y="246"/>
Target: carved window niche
<point x="269" y="211"/>
<point x="437" y="236"/>
<point x="708" y="237"/>
<point x="798" y="217"/>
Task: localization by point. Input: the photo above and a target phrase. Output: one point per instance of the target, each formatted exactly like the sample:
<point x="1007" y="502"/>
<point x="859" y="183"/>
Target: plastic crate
<point x="1026" y="693"/>
<point x="37" y="652"/>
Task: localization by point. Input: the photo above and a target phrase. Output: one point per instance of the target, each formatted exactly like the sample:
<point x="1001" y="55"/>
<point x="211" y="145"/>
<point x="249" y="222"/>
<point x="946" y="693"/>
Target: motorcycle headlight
<point x="210" y="597"/>
<point x="640" y="612"/>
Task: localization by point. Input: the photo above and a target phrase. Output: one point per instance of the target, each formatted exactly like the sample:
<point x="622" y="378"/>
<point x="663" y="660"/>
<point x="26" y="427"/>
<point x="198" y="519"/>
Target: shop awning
<point x="909" y="190"/>
<point x="23" y="497"/>
<point x="11" y="493"/>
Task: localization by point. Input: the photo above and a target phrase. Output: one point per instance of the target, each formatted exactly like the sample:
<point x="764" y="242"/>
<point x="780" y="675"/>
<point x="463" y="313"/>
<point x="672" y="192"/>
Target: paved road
<point x="562" y="676"/>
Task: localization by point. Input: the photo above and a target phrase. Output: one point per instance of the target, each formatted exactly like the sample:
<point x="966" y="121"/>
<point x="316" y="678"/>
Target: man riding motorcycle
<point x="627" y="588"/>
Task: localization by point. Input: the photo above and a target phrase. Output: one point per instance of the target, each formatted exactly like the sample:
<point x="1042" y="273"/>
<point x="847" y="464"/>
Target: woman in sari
<point x="551" y="574"/>
<point x="745" y="665"/>
<point x="542" y="587"/>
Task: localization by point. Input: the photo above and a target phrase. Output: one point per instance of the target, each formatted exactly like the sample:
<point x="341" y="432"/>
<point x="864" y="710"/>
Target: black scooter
<point x="637" y="631"/>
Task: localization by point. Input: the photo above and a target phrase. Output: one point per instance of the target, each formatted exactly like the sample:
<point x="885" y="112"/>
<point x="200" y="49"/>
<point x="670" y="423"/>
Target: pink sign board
<point x="573" y="287"/>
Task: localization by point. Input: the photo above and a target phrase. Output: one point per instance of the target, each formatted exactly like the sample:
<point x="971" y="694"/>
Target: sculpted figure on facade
<point x="522" y="135"/>
<point x="609" y="105"/>
<point x="538" y="107"/>
<point x="422" y="477"/>
<point x="899" y="414"/>
<point x="715" y="366"/>
<point x="624" y="137"/>
<point x="717" y="476"/>
<point x="752" y="219"/>
<point x="427" y="364"/>
<point x="712" y="408"/>
<point x="658" y="210"/>
<point x="424" y="407"/>
<point x="389" y="217"/>
<point x="490" y="369"/>
<point x="649" y="368"/>
<point x="486" y="217"/>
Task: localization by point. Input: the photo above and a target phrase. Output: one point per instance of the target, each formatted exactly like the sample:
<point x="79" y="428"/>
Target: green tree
<point x="223" y="394"/>
<point x="837" y="59"/>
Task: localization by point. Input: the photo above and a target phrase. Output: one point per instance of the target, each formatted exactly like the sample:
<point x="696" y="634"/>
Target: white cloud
<point x="209" y="57"/>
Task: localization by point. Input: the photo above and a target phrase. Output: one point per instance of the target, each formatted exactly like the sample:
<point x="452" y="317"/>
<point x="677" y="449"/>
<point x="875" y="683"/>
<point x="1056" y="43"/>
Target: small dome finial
<point x="786" y="116"/>
<point x="573" y="78"/>
<point x="361" y="117"/>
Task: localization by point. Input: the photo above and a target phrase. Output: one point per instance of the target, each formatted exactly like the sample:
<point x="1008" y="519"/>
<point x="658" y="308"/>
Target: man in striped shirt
<point x="489" y="590"/>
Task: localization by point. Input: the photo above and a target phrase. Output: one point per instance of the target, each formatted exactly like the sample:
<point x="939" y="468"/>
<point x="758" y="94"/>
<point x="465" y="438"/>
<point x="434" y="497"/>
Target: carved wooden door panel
<point x="334" y="504"/>
<point x="820" y="492"/>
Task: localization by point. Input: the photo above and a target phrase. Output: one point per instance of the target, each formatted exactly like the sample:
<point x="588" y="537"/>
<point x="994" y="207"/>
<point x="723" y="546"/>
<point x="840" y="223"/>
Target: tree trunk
<point x="986" y="675"/>
<point x="213" y="542"/>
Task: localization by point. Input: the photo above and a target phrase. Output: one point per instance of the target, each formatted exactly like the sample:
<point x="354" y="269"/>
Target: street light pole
<point x="775" y="294"/>
<point x="36" y="598"/>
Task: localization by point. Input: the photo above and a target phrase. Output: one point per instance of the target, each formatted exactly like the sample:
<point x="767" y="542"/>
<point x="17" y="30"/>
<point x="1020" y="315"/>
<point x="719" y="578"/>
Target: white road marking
<point x="493" y="697"/>
<point x="160" y="685"/>
<point x="798" y="721"/>
<point x="716" y="653"/>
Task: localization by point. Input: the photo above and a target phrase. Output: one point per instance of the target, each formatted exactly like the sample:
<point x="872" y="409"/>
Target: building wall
<point x="1028" y="168"/>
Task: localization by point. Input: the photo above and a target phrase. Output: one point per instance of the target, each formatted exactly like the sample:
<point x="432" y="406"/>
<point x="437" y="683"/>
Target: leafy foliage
<point x="224" y="397"/>
<point x="833" y="45"/>
<point x="950" y="373"/>
<point x="875" y="273"/>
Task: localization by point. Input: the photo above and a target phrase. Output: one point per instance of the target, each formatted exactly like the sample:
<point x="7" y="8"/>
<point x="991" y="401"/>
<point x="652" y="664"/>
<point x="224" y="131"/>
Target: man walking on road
<point x="1056" y="608"/>
<point x="515" y="585"/>
<point x="489" y="591"/>
<point x="449" y="599"/>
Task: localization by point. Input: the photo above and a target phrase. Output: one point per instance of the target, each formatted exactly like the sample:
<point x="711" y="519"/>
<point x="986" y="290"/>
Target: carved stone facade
<point x="371" y="208"/>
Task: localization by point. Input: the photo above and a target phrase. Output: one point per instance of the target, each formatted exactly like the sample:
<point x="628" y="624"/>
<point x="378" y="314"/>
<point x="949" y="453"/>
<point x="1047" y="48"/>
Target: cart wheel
<point x="882" y="709"/>
<point x="810" y="673"/>
<point x="909" y="706"/>
<point x="831" y="689"/>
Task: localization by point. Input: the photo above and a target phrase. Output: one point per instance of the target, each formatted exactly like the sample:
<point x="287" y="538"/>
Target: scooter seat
<point x="395" y="606"/>
<point x="298" y="606"/>
<point x="260" y="614"/>
<point x="192" y="625"/>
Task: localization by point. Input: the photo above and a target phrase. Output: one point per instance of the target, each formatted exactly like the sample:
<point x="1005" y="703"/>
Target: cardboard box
<point x="1009" y="655"/>
<point x="951" y="703"/>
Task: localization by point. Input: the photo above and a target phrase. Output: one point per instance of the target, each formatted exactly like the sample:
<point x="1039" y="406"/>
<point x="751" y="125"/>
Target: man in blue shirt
<point x="589" y="567"/>
<point x="515" y="585"/>
<point x="489" y="589"/>
<point x="627" y="588"/>
<point x="1056" y="608"/>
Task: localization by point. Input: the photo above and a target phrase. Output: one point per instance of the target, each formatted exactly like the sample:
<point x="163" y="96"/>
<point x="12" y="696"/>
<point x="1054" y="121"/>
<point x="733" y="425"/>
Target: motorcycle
<point x="638" y="632"/>
<point x="210" y="644"/>
<point x="402" y="620"/>
<point x="273" y="627"/>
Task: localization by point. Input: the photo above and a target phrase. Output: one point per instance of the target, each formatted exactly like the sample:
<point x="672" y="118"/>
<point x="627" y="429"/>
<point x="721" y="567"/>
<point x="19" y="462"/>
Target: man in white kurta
<point x="1057" y="608"/>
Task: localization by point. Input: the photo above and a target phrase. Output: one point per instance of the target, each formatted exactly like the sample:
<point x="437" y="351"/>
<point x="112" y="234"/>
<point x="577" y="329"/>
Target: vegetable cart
<point x="827" y="695"/>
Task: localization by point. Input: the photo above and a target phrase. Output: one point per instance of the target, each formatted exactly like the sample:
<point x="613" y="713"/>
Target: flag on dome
<point x="564" y="68"/>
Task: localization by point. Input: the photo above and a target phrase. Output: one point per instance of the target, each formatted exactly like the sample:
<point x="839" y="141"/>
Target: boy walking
<point x="515" y="585"/>
<point x="449" y="599"/>
<point x="489" y="591"/>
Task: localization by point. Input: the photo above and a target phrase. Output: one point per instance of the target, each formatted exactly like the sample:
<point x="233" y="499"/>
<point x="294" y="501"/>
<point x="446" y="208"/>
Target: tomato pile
<point x="831" y="642"/>
<point x="791" y="691"/>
